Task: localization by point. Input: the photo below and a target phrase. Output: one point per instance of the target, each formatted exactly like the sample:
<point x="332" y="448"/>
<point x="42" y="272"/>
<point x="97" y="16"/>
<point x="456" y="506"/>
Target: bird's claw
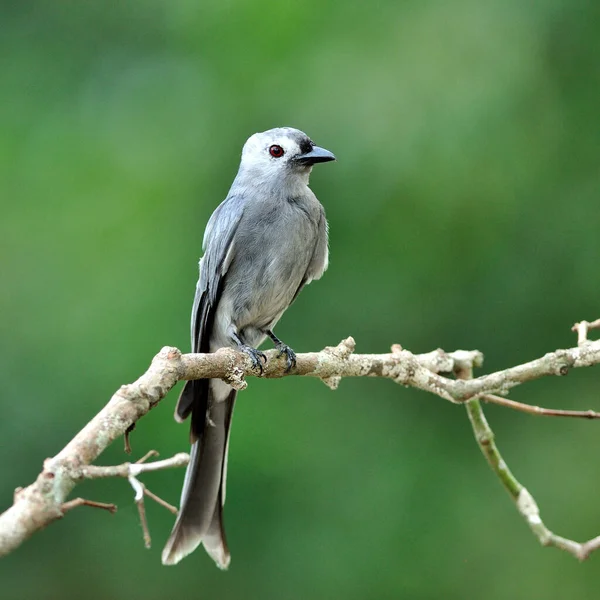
<point x="255" y="356"/>
<point x="290" y="356"/>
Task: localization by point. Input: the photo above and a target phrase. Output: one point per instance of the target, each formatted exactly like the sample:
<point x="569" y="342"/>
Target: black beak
<point x="316" y="155"/>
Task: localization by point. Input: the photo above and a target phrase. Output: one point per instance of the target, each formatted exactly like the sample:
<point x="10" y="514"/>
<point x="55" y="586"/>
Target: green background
<point x="464" y="214"/>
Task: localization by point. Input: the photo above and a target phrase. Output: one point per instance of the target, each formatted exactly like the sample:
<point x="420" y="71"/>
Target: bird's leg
<point x="255" y="355"/>
<point x="290" y="355"/>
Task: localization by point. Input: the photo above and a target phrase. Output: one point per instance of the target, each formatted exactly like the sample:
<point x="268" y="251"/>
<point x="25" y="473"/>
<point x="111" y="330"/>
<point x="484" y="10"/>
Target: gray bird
<point x="262" y="245"/>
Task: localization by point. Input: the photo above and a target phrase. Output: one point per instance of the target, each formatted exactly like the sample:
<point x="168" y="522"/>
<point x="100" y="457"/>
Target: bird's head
<point x="282" y="155"/>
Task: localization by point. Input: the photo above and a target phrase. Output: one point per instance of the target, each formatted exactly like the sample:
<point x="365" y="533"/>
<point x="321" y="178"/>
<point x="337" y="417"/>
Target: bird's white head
<point x="280" y="157"/>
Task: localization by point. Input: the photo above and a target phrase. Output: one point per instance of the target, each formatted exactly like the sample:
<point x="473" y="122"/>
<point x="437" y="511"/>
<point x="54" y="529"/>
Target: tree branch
<point x="524" y="501"/>
<point x="43" y="501"/>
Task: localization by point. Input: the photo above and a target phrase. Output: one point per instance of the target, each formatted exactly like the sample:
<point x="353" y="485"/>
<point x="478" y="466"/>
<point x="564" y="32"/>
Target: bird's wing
<point x="320" y="257"/>
<point x="218" y="253"/>
<point x="218" y="246"/>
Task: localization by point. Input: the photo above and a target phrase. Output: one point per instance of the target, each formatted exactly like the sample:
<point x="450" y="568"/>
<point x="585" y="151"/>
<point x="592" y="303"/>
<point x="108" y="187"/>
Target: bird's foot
<point x="284" y="349"/>
<point x="256" y="356"/>
<point x="290" y="355"/>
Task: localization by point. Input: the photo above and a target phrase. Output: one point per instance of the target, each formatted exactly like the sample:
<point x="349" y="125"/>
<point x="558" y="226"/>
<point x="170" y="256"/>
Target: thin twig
<point x="180" y="459"/>
<point x="524" y="501"/>
<point x="148" y="455"/>
<point x="588" y="547"/>
<point x="126" y="440"/>
<point x="75" y="503"/>
<point x="138" y="488"/>
<point x="160" y="501"/>
<point x="582" y="329"/>
<point x="538" y="410"/>
<point x="132" y="471"/>
<point x="145" y="529"/>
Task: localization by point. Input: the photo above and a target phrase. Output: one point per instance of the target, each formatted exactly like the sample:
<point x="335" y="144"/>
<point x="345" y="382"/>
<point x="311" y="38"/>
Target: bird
<point x="261" y="246"/>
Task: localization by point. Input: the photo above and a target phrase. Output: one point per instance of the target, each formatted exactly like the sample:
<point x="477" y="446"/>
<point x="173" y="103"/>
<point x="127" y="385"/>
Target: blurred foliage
<point x="463" y="212"/>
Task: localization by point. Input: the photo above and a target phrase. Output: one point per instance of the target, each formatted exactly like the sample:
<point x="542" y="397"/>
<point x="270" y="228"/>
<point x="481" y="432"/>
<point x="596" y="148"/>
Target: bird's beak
<point x="316" y="155"/>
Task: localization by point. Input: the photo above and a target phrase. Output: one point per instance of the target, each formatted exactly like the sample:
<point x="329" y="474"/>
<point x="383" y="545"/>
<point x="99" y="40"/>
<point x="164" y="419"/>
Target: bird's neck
<point x="273" y="184"/>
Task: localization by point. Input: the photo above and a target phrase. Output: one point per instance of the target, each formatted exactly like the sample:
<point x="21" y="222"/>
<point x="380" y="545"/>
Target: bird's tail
<point x="200" y="518"/>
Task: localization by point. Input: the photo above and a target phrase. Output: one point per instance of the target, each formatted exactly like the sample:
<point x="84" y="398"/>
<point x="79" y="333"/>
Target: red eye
<point x="276" y="151"/>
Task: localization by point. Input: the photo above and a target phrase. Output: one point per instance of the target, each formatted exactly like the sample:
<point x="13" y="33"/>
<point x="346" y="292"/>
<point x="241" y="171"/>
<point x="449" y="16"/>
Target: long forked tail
<point x="200" y="518"/>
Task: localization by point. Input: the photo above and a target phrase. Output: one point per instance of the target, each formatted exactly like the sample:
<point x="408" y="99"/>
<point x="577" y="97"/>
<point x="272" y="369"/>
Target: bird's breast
<point x="271" y="258"/>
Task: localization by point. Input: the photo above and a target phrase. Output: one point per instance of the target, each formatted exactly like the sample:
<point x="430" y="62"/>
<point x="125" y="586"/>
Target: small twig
<point x="149" y="454"/>
<point x="538" y="410"/>
<point x="144" y="522"/>
<point x="588" y="547"/>
<point x="138" y="488"/>
<point x="132" y="471"/>
<point x="180" y="459"/>
<point x="126" y="440"/>
<point x="160" y="501"/>
<point x="140" y="491"/>
<point x="524" y="501"/>
<point x="71" y="504"/>
<point x="582" y="329"/>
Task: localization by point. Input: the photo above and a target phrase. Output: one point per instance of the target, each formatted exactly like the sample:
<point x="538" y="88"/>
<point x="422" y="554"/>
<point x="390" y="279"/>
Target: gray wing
<point x="320" y="257"/>
<point x="217" y="246"/>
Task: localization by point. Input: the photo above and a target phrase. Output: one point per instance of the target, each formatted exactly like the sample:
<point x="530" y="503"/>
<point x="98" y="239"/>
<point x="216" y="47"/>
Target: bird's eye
<point x="276" y="151"/>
